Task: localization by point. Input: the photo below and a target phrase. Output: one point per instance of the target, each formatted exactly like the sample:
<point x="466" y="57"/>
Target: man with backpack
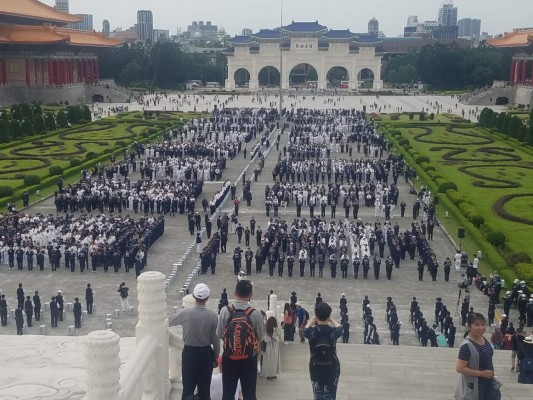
<point x="241" y="328"/>
<point x="322" y="331"/>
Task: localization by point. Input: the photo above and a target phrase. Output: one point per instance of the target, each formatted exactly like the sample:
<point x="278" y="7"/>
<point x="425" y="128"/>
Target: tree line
<point x="24" y="119"/>
<point x="162" y="64"/>
<point x="448" y="67"/>
<point x="508" y="124"/>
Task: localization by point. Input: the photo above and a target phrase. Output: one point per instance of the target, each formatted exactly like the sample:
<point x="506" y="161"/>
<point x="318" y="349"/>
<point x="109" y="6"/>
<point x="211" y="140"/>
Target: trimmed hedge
<point x="476" y="219"/>
<point x="403" y="141"/>
<point x="394" y="117"/>
<point x="6" y="191"/>
<point x="524" y="272"/>
<point x="496" y="238"/>
<point x="466" y="209"/>
<point x="420" y="159"/>
<point x="91" y="155"/>
<point x="31" y="180"/>
<point x="445" y="186"/>
<point x="517" y="258"/>
<point x="55" y="170"/>
<point x="75" y="162"/>
<point x="454" y="196"/>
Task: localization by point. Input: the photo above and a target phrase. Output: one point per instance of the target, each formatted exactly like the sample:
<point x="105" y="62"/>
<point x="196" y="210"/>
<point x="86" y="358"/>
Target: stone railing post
<point x="153" y="321"/>
<point x="102" y="363"/>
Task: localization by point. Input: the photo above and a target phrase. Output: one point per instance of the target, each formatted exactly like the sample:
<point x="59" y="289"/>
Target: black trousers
<point x="232" y="371"/>
<point x="196" y="371"/>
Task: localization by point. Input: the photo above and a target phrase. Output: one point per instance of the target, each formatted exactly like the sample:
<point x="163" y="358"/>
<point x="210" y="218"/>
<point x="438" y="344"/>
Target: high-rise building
<point x="145" y="25"/>
<point x="246" y="32"/>
<point x="85" y="25"/>
<point x="106" y="27"/>
<point x="469" y="28"/>
<point x="62" y="5"/>
<point x="161" y="34"/>
<point x="448" y="14"/>
<point x="199" y="31"/>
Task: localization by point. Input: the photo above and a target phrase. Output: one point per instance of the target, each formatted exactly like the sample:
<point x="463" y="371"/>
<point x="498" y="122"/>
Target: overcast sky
<point x="496" y="16"/>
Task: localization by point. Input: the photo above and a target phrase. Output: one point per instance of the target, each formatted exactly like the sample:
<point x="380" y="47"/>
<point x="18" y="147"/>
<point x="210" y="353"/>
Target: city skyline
<point x="496" y="16"/>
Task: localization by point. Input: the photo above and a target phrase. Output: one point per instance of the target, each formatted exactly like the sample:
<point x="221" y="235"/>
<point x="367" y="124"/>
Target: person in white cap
<point x="201" y="344"/>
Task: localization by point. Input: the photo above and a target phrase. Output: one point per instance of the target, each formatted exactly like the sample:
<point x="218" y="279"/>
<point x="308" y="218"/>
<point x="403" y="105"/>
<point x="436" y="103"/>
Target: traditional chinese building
<point x="521" y="40"/>
<point x="304" y="54"/>
<point x="41" y="59"/>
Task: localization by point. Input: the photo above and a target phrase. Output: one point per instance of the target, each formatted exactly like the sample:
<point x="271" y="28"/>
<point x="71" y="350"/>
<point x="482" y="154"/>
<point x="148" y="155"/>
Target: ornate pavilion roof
<point x="522" y="38"/>
<point x="339" y="34"/>
<point x="241" y="40"/>
<point x="304" y="27"/>
<point x="22" y="34"/>
<point x="268" y="34"/>
<point x="33" y="9"/>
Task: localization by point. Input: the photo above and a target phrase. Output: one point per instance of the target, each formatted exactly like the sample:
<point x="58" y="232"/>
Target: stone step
<point x="385" y="372"/>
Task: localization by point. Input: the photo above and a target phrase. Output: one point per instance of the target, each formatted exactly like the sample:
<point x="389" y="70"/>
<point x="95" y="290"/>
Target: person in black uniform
<point x="249" y="256"/>
<point x="19" y="319"/>
<point x="76" y="310"/>
<point x="28" y="309"/>
<point x="89" y="298"/>
<point x="37" y="306"/>
<point x="60" y="304"/>
<point x="3" y="310"/>
<point x="54" y="312"/>
<point x="20" y="295"/>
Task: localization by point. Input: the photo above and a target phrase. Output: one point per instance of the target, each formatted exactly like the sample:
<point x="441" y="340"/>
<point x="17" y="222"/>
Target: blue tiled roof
<point x="241" y="39"/>
<point x="268" y="34"/>
<point x="367" y="39"/>
<point x="339" y="34"/>
<point x="304" y="27"/>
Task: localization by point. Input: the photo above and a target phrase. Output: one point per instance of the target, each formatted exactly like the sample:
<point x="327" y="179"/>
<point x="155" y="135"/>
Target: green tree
<point x="15" y="130"/>
<point x="522" y="133"/>
<point x="514" y="126"/>
<point x="37" y="109"/>
<point x="493" y="120"/>
<point x="27" y="126"/>
<point x="27" y="111"/>
<point x="38" y="124"/>
<point x="62" y="120"/>
<point x="50" y="122"/>
<point x="73" y="115"/>
<point x="529" y="137"/>
<point x="5" y="116"/>
<point x="16" y="112"/>
<point x="86" y="113"/>
<point x="4" y="131"/>
<point x="505" y="124"/>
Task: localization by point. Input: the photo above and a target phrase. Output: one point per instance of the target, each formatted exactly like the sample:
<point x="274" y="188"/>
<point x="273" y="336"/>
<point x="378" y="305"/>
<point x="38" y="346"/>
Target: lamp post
<point x="281" y="67"/>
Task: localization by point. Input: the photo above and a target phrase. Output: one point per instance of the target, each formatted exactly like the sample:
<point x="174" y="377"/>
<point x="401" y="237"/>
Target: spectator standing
<point x="241" y="366"/>
<point x="324" y="366"/>
<point x="271" y="352"/>
<point x="201" y="344"/>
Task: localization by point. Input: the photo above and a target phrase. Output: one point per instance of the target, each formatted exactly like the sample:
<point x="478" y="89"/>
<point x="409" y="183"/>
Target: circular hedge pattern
<point x="491" y="166"/>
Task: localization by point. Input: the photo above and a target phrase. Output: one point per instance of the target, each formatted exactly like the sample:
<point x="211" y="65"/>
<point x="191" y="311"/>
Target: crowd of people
<point x="77" y="243"/>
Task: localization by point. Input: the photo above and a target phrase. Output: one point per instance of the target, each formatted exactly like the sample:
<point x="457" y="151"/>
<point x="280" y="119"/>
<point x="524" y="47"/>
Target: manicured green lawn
<point x="34" y="156"/>
<point x="484" y="167"/>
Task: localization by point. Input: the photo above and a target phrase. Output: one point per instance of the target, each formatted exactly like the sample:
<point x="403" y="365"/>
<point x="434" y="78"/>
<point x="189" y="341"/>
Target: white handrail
<point x="136" y="366"/>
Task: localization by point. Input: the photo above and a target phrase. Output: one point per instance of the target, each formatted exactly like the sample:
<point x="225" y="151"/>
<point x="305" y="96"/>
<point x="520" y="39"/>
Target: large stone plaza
<point x="363" y="366"/>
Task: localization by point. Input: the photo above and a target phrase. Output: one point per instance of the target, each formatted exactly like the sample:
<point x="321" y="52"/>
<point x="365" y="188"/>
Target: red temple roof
<point x="34" y="9"/>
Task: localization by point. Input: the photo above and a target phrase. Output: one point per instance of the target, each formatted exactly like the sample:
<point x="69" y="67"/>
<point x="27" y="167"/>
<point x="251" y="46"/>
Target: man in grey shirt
<point x="244" y="370"/>
<point x="202" y="345"/>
